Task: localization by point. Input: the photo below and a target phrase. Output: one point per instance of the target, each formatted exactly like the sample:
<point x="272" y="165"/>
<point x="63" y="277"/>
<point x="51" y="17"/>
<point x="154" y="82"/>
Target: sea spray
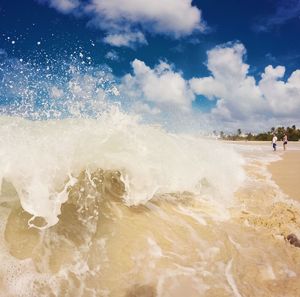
<point x="42" y="158"/>
<point x="125" y="208"/>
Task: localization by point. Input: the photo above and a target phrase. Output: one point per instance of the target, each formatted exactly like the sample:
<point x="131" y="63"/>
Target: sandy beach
<point x="177" y="244"/>
<point x="286" y="173"/>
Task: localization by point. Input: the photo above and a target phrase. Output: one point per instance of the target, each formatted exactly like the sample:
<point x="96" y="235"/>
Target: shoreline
<point x="286" y="173"/>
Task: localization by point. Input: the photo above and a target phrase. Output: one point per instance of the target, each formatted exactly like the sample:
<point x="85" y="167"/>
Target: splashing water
<point x="41" y="159"/>
<point x="49" y="153"/>
<point x="55" y="89"/>
<point x="94" y="202"/>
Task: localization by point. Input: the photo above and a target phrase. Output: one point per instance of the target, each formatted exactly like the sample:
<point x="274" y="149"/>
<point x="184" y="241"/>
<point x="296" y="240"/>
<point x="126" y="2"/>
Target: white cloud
<point x="63" y="6"/>
<point x="128" y="39"/>
<point x="237" y="93"/>
<point x="160" y="85"/>
<point x="239" y="96"/>
<point x="125" y="20"/>
<point x="141" y="107"/>
<point x="112" y="55"/>
<point x="283" y="97"/>
<point x="177" y="17"/>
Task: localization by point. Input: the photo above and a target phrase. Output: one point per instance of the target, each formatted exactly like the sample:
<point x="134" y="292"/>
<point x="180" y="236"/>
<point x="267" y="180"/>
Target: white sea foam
<point x="38" y="157"/>
<point x="231" y="280"/>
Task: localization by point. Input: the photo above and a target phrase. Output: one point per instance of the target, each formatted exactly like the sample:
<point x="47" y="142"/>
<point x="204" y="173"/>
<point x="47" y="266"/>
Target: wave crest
<point x="116" y="153"/>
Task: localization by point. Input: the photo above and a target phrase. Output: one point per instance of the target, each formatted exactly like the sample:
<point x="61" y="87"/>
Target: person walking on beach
<point x="285" y="140"/>
<point x="274" y="140"/>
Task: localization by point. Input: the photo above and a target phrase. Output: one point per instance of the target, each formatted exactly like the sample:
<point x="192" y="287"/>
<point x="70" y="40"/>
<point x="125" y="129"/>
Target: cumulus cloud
<point x="283" y="96"/>
<point x="236" y="92"/>
<point x="125" y="21"/>
<point x="141" y="107"/>
<point x="238" y="95"/>
<point x="160" y="85"/>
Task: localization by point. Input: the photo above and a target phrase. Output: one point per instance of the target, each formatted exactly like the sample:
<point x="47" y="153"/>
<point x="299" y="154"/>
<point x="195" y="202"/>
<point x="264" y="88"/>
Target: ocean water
<point x="112" y="207"/>
<point x="95" y="202"/>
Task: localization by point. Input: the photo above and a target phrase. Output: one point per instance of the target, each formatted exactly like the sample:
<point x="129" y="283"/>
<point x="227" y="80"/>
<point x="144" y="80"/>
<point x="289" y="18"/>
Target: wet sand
<point x="286" y="173"/>
<point x="175" y="245"/>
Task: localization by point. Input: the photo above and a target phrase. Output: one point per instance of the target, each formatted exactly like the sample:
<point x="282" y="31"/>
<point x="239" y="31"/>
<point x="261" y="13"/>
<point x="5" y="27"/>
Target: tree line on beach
<point x="292" y="133"/>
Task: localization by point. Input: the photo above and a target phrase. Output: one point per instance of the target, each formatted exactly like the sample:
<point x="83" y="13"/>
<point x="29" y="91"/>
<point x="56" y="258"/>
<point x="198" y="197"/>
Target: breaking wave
<point x="43" y="159"/>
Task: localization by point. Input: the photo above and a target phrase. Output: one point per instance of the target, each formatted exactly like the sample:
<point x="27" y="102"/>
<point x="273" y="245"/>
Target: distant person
<point x="274" y="140"/>
<point x="285" y="141"/>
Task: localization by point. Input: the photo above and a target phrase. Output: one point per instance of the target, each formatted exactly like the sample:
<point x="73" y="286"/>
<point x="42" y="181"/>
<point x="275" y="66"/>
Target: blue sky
<point x="232" y="63"/>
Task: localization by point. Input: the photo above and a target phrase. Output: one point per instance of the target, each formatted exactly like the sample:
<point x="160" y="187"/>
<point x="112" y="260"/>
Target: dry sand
<point x="286" y="173"/>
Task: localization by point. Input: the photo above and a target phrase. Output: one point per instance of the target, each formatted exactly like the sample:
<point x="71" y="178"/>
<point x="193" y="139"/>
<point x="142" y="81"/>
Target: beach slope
<point x="286" y="173"/>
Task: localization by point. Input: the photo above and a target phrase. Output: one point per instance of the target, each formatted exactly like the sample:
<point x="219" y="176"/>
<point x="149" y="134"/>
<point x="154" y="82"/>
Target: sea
<point x="108" y="205"/>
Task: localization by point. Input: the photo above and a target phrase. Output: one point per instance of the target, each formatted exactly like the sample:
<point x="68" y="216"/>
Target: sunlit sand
<point x="175" y="244"/>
